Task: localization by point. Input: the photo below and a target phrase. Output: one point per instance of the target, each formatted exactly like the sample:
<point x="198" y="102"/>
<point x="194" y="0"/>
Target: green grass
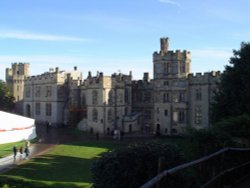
<point x="64" y="166"/>
<point x="69" y="165"/>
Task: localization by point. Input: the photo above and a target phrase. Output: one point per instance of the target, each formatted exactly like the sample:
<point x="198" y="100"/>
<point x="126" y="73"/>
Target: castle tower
<point x="171" y="69"/>
<point x="15" y="77"/>
<point x="164" y="45"/>
<point x="171" y="64"/>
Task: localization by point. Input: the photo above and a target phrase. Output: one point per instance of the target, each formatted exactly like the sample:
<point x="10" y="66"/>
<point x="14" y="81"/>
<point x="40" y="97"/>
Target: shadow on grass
<point x="55" y="168"/>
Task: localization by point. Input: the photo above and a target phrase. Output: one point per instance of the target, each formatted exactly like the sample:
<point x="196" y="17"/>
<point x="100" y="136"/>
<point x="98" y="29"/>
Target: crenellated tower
<point x="171" y="64"/>
<point x="15" y="77"/>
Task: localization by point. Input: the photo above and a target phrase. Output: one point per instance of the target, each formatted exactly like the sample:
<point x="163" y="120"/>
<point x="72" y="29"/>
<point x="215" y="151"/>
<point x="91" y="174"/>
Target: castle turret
<point x="15" y="77"/>
<point x="164" y="45"/>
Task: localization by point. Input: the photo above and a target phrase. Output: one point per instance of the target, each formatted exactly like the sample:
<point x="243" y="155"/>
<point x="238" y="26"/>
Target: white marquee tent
<point x="15" y="128"/>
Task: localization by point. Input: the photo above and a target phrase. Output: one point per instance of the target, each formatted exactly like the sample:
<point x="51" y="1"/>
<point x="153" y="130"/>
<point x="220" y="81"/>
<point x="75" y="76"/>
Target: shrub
<point x="133" y="166"/>
<point x="238" y="126"/>
<point x="206" y="141"/>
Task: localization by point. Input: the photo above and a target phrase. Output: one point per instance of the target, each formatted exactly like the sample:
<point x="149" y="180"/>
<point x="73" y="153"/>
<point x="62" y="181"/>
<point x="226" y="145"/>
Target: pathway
<point x="47" y="139"/>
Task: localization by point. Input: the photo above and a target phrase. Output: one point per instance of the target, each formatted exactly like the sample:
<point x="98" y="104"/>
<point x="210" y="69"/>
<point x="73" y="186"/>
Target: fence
<point x="219" y="169"/>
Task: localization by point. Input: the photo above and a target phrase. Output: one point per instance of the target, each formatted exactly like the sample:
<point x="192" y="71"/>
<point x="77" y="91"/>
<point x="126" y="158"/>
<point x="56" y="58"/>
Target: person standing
<point x="14" y="152"/>
<point x="21" y="152"/>
<point x="27" y="152"/>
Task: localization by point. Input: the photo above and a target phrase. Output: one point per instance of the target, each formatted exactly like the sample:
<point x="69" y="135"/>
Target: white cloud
<point x="24" y="35"/>
<point x="170" y="2"/>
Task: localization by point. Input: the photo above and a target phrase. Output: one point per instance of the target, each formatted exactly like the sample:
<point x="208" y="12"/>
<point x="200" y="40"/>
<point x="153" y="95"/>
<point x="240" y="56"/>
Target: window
<point x="198" y="95"/>
<point x="181" y="97"/>
<point x="157" y="110"/>
<point x="175" y="97"/>
<point x="38" y="108"/>
<point x="182" y="68"/>
<point x="126" y="96"/>
<point x="48" y="109"/>
<point x="121" y="97"/>
<point x="94" y="115"/>
<point x="17" y="88"/>
<point x="165" y="83"/>
<point x="147" y="97"/>
<point x="166" y="112"/>
<point x="181" y="116"/>
<point x="198" y="115"/>
<point x="37" y="92"/>
<point x="166" y="97"/>
<point x="110" y="115"/>
<point x="48" y="91"/>
<point x="27" y="93"/>
<point x="175" y="68"/>
<point x="166" y="68"/>
<point x="94" y="97"/>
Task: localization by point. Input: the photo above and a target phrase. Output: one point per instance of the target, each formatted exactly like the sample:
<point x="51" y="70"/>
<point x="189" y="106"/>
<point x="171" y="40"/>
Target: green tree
<point x="6" y="98"/>
<point x="133" y="166"/>
<point x="233" y="95"/>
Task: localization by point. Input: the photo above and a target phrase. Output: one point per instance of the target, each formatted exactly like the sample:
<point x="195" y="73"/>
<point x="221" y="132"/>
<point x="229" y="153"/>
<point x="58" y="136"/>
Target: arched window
<point x="94" y="115"/>
<point x="94" y="97"/>
<point x="110" y="115"/>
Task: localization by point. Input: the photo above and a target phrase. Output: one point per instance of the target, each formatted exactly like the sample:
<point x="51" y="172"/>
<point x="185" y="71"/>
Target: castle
<point x="169" y="103"/>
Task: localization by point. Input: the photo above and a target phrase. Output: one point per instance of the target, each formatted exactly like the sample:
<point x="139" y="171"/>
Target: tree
<point x="133" y="166"/>
<point x="6" y="98"/>
<point x="233" y="95"/>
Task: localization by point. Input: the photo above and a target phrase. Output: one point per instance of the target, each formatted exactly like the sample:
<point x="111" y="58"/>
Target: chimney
<point x="145" y="77"/>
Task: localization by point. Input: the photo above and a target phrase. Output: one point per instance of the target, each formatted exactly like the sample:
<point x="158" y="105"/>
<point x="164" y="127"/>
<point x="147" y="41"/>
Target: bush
<point x="206" y="141"/>
<point x="133" y="166"/>
<point x="238" y="126"/>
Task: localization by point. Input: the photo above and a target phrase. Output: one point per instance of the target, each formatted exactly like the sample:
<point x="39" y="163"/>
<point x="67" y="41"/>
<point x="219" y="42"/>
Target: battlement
<point x="17" y="69"/>
<point x="54" y="76"/>
<point x="101" y="81"/>
<point x="165" y="53"/>
<point x="204" y="78"/>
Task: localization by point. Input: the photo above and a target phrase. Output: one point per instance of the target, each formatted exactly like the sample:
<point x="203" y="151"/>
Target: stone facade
<point x="15" y="77"/>
<point x="201" y="89"/>
<point x="169" y="103"/>
<point x="171" y="70"/>
<point x="143" y="102"/>
<point x="46" y="96"/>
<point x="105" y="101"/>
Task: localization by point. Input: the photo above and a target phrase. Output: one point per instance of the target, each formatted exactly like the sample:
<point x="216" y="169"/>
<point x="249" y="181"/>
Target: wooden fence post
<point x="160" y="168"/>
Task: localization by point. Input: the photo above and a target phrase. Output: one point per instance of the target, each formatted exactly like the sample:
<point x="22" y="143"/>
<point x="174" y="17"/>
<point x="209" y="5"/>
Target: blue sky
<point x="119" y="35"/>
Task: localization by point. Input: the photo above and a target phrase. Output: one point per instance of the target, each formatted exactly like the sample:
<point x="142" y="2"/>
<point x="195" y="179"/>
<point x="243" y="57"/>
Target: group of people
<point x="22" y="151"/>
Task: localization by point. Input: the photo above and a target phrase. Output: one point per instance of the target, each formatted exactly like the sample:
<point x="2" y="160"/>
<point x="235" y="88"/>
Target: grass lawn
<point x="65" y="166"/>
<point x="68" y="165"/>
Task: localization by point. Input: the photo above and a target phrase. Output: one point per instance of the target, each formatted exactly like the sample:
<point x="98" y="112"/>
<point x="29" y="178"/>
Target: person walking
<point x="21" y="152"/>
<point x="14" y="152"/>
<point x="27" y="152"/>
